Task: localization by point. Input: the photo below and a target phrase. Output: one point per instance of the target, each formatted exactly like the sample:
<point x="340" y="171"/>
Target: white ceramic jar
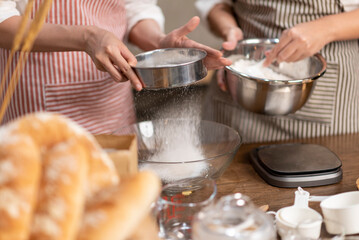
<point x="302" y="221"/>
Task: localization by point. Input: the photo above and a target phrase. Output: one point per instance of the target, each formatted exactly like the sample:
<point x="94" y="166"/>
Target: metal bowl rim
<point x="201" y="56"/>
<point x="172" y="86"/>
<point x="251" y="41"/>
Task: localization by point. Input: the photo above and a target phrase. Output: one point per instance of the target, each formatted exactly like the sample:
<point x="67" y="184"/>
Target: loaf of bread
<point x="57" y="183"/>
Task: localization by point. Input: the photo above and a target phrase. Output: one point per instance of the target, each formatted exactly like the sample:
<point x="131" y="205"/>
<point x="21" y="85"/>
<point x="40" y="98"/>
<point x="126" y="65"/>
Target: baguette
<point x="56" y="183"/>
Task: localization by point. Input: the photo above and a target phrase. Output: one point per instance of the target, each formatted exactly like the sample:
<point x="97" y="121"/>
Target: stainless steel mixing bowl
<point x="271" y="96"/>
<point x="170" y="67"/>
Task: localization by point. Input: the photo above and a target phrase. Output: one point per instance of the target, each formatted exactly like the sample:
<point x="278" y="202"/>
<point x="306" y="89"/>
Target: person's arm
<point x="146" y="31"/>
<point x="106" y="50"/>
<point x="51" y="37"/>
<point x="306" y="39"/>
<point x="147" y="36"/>
<point x="224" y="25"/>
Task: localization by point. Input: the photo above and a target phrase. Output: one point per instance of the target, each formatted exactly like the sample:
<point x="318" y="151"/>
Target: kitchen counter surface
<point x="241" y="177"/>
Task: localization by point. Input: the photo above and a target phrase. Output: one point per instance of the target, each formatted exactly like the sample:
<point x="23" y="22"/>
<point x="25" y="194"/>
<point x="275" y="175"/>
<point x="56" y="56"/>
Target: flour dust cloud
<point x="180" y="142"/>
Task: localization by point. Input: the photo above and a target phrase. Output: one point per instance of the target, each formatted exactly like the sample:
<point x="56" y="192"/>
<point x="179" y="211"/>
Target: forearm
<point x="52" y="37"/>
<point x="221" y="20"/>
<point x="146" y="34"/>
<point x="343" y="26"/>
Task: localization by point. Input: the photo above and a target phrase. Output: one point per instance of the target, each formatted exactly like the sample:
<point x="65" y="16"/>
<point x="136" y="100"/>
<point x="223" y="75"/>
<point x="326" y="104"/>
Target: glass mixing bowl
<point x="179" y="149"/>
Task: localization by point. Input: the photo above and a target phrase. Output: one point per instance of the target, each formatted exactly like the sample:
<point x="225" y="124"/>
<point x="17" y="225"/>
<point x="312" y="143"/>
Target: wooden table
<point x="241" y="177"/>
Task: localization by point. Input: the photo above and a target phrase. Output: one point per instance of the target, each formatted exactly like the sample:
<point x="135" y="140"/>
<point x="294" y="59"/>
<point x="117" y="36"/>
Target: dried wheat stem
<point x="16" y="43"/>
<point x="28" y="42"/>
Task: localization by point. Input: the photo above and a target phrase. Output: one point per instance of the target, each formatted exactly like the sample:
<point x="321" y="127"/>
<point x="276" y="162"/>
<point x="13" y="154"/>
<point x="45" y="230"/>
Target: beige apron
<point x="333" y="106"/>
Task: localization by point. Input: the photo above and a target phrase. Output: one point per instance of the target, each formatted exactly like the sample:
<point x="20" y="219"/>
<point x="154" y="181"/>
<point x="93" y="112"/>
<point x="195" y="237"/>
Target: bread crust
<point x="19" y="177"/>
<point x="116" y="212"/>
<point x="57" y="183"/>
<point x="48" y="130"/>
<point x="61" y="194"/>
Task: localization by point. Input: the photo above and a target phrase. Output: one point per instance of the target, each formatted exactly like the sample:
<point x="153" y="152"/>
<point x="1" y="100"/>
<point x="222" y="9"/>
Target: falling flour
<point x="180" y="147"/>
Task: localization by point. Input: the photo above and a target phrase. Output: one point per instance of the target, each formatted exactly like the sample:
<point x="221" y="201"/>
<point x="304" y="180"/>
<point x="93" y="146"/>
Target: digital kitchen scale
<point x="294" y="165"/>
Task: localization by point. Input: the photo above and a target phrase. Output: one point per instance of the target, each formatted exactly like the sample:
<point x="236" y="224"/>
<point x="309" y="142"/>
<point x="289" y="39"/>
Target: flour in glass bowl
<point x="181" y="145"/>
<point x="255" y="69"/>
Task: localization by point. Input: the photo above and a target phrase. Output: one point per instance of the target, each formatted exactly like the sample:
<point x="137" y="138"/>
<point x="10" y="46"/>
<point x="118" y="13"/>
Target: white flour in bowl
<point x="181" y="152"/>
<point x="256" y="69"/>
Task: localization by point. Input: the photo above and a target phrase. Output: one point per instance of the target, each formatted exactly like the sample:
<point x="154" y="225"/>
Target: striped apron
<point x="68" y="82"/>
<point x="333" y="106"/>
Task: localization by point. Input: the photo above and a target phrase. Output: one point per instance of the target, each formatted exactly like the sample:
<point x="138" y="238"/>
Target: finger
<point x="128" y="56"/>
<point x="215" y="63"/>
<point x="221" y="85"/>
<point x="126" y="70"/>
<point x="220" y="80"/>
<point x="273" y="53"/>
<point x="110" y="68"/>
<point x="267" y="61"/>
<point x="126" y="79"/>
<point x="188" y="27"/>
<point x="99" y="66"/>
<point x="123" y="77"/>
<point x="286" y="53"/>
<point x="210" y="51"/>
<point x="298" y="55"/>
<point x="232" y="36"/>
<point x="225" y="61"/>
<point x="229" y="46"/>
<point x="284" y="40"/>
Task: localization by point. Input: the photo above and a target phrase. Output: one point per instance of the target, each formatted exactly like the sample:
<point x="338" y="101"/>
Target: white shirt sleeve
<point x="137" y="10"/>
<point x="350" y="5"/>
<point x="204" y="6"/>
<point x="8" y="9"/>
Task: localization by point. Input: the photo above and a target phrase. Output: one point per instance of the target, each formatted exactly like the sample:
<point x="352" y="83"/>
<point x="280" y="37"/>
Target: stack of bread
<point x="57" y="183"/>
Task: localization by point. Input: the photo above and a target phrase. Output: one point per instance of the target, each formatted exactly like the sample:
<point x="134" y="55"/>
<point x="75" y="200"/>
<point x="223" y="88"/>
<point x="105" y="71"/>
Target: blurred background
<point x="151" y="104"/>
<point x="178" y="12"/>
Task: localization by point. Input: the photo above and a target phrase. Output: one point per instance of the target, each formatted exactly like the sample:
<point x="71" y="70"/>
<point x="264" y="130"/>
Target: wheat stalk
<point x="26" y="47"/>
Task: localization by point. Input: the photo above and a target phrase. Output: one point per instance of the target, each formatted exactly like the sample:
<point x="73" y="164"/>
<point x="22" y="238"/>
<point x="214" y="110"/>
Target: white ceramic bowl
<point x="298" y="220"/>
<point x="342" y="208"/>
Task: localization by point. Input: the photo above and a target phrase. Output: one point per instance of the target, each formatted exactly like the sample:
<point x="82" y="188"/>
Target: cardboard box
<point x="122" y="150"/>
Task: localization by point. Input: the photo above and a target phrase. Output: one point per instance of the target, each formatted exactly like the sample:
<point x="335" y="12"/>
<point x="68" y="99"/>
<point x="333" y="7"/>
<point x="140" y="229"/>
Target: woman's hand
<point x="178" y="38"/>
<point x="232" y="36"/>
<point x="110" y="54"/>
<point x="298" y="42"/>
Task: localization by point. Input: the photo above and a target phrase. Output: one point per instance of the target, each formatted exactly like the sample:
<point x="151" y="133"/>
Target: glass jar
<point x="233" y="217"/>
